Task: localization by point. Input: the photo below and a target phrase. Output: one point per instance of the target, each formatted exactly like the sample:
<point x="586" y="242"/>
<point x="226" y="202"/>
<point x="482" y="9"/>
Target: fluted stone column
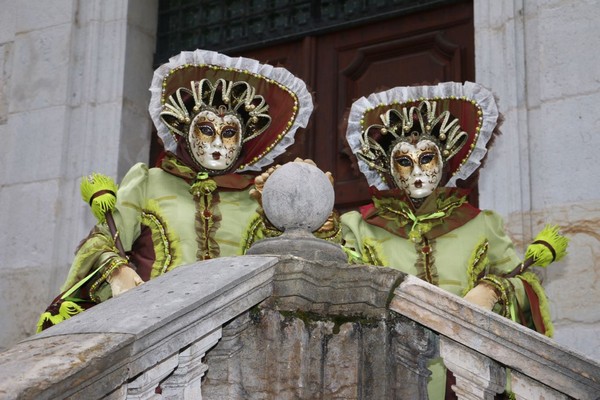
<point x="225" y="377"/>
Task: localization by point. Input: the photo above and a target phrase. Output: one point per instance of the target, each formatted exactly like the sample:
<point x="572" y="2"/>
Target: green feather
<point x="540" y="253"/>
<point x="102" y="203"/>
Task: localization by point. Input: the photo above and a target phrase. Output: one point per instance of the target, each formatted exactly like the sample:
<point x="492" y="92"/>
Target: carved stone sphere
<point x="298" y="196"/>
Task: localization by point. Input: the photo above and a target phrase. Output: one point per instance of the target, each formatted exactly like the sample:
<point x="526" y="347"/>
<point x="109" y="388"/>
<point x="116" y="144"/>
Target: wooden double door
<point x="341" y="66"/>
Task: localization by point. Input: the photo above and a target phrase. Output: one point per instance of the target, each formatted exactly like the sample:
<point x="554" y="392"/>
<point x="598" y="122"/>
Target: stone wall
<point x="540" y="57"/>
<point x="74" y="78"/>
<point x="326" y="332"/>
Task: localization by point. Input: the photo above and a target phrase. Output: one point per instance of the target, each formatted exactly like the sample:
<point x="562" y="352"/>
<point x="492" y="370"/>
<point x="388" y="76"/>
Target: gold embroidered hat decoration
<point x="271" y="102"/>
<point x="223" y="96"/>
<point x="459" y="118"/>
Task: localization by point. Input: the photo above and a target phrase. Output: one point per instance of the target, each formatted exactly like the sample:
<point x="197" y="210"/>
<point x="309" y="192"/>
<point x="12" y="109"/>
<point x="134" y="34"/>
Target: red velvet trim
<point x="233" y="181"/>
<point x="534" y="305"/>
<point x="160" y="158"/>
<point x="367" y="210"/>
<point x="142" y="253"/>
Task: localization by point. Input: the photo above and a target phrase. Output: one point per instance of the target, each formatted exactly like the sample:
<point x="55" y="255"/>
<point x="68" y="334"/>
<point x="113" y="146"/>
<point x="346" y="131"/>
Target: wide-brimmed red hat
<point x="466" y="114"/>
<point x="272" y="102"/>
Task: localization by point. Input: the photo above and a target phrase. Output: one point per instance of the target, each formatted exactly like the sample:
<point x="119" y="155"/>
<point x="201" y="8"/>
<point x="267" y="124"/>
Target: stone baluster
<point x="477" y="376"/>
<point x="224" y="378"/>
<point x="186" y="381"/>
<point x="144" y="387"/>
<point x="413" y="346"/>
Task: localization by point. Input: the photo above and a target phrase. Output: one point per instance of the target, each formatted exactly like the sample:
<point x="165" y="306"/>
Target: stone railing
<point x="155" y="334"/>
<point x="266" y="327"/>
<point x="286" y="327"/>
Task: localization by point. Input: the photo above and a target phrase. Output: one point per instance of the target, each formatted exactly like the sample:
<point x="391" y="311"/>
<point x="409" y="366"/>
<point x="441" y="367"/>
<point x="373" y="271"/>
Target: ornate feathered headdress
<point x="458" y="118"/>
<point x="271" y="102"/>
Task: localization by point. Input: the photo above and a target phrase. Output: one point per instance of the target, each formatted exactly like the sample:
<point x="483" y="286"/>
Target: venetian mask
<point x="215" y="139"/>
<point x="416" y="169"/>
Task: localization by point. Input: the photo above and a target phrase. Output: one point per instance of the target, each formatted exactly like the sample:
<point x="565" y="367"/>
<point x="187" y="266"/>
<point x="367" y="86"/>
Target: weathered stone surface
<point x="53" y="367"/>
<point x="413" y="346"/>
<point x="512" y="345"/>
<point x="325" y="333"/>
<point x="287" y="355"/>
<point x="176" y="308"/>
<point x="300" y="244"/>
<point x="186" y="381"/>
<point x="289" y="329"/>
<point x="141" y="328"/>
<point x="477" y="376"/>
<point x="526" y="388"/>
<point x="329" y="288"/>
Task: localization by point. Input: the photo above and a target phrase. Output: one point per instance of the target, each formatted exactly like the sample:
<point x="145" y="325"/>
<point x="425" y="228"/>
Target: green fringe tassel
<point x="542" y="256"/>
<point x="67" y="310"/>
<point x="100" y="204"/>
<point x="478" y="262"/>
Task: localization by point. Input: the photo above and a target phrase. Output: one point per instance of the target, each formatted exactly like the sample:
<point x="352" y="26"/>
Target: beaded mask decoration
<point x="270" y="102"/>
<point x="458" y="118"/>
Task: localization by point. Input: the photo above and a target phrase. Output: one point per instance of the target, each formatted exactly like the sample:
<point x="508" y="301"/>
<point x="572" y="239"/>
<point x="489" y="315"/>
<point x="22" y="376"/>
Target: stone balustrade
<point x="266" y="327"/>
<point x="153" y="336"/>
<point x="278" y="326"/>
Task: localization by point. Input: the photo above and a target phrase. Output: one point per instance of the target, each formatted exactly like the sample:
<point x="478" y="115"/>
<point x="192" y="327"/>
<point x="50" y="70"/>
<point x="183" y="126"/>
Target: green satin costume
<point x="448" y="243"/>
<point x="162" y="225"/>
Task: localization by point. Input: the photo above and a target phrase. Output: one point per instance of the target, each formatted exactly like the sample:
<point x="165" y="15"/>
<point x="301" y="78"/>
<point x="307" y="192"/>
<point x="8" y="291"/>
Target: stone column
<point x="413" y="346"/>
<point x="225" y="372"/>
<point x="145" y="386"/>
<point x="477" y="376"/>
<point x="186" y="381"/>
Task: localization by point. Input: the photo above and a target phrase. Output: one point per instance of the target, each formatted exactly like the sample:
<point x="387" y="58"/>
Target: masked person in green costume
<point x="219" y="119"/>
<point x="413" y="144"/>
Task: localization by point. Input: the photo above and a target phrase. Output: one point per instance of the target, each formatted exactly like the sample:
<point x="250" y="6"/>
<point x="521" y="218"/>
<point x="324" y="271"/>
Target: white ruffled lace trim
<point x="280" y="75"/>
<point x="470" y="90"/>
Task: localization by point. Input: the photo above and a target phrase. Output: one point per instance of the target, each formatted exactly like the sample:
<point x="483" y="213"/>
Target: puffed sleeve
<point x="351" y="237"/>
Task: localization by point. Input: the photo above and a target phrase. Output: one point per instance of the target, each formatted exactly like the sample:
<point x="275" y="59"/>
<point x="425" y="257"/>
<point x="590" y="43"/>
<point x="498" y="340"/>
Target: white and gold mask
<point x="416" y="169"/>
<point x="215" y="140"/>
